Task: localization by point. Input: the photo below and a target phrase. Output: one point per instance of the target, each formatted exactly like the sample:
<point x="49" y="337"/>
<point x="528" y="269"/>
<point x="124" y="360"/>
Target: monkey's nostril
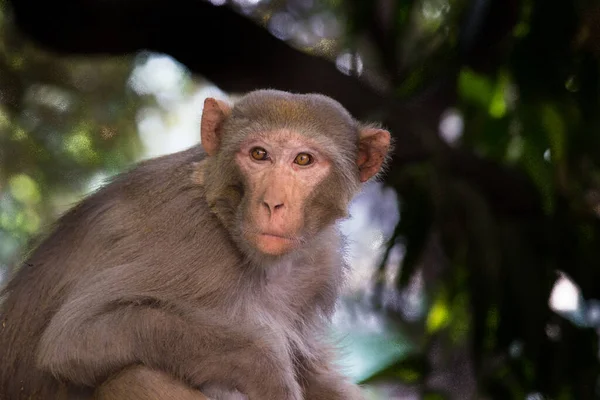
<point x="272" y="206"/>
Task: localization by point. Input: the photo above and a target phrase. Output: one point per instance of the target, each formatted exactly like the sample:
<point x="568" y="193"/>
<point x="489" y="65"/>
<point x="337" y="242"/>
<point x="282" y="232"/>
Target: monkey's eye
<point x="259" y="154"/>
<point x="303" y="159"/>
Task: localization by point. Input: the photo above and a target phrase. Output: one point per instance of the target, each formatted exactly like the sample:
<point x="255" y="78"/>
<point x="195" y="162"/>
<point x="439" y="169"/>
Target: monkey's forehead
<point x="279" y="105"/>
<point x="311" y="115"/>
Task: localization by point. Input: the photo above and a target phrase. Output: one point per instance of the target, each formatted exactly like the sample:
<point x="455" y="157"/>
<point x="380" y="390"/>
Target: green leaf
<point x="553" y="123"/>
<point x="475" y="88"/>
<point x="439" y="314"/>
<point x="24" y="189"/>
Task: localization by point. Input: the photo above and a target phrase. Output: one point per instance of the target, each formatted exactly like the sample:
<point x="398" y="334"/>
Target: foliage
<point x="535" y="108"/>
<point x="62" y="120"/>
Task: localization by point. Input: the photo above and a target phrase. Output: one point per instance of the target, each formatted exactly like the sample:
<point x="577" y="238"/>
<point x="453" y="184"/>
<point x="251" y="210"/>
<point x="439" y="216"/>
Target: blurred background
<point x="475" y="261"/>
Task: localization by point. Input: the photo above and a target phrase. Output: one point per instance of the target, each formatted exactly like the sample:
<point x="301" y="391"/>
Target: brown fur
<point x="147" y="289"/>
<point x="142" y="383"/>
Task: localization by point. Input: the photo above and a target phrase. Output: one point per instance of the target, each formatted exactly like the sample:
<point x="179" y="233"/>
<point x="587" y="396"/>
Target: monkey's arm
<point x="110" y="324"/>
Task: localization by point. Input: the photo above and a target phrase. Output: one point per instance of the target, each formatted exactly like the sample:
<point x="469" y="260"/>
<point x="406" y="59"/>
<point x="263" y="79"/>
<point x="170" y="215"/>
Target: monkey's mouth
<point x="273" y="235"/>
<point x="275" y="244"/>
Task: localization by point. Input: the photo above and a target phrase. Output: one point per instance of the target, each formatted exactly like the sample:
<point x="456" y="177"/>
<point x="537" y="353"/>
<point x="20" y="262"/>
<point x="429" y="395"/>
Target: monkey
<point x="208" y="273"/>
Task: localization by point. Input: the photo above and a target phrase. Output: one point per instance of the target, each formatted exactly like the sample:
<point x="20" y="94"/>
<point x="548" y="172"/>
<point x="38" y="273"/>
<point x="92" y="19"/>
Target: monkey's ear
<point x="213" y="115"/>
<point x="373" y="148"/>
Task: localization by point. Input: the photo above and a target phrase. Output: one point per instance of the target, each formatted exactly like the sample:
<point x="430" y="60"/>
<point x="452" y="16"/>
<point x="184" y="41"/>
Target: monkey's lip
<point x="275" y="235"/>
<point x="274" y="243"/>
<point x="289" y="240"/>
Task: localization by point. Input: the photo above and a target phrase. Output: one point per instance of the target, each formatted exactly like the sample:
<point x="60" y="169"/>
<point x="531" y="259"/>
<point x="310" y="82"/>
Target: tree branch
<point x="239" y="55"/>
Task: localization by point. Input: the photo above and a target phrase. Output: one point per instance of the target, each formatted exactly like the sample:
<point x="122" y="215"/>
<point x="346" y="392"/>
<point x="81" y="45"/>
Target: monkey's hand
<point x="109" y="323"/>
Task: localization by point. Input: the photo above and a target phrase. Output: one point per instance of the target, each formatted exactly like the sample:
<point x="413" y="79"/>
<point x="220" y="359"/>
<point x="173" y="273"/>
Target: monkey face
<point x="282" y="169"/>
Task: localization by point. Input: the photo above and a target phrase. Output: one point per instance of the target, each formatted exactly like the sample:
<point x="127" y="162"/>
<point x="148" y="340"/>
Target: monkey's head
<point x="283" y="167"/>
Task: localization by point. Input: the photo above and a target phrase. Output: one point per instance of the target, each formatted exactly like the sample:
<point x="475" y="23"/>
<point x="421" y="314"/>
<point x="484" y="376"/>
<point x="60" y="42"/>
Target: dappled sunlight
<point x="282" y="25"/>
<point x="325" y="25"/>
<point x="247" y="3"/>
<point x="161" y="76"/>
<point x="565" y="295"/>
<point x="4" y="118"/>
<point x="567" y="301"/>
<point x="317" y="31"/>
<point x="175" y="124"/>
<point x="373" y="216"/>
<point x="535" y="396"/>
<point x="451" y="126"/>
<point x="433" y="11"/>
<point x="370" y="339"/>
<point x="349" y="63"/>
<point x="50" y="96"/>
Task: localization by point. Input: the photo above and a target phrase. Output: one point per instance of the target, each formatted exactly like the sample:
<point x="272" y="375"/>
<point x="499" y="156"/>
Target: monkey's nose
<point x="272" y="205"/>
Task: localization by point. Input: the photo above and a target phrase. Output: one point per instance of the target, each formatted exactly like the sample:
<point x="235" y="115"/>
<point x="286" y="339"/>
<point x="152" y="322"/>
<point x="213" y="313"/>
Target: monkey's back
<point x="108" y="225"/>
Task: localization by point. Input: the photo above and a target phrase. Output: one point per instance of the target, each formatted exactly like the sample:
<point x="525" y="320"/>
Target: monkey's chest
<point x="281" y="315"/>
<point x="284" y="306"/>
<point x="284" y="335"/>
<point x="286" y="330"/>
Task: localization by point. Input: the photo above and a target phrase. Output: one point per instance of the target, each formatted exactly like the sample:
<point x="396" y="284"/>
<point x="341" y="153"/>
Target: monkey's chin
<point x="274" y="245"/>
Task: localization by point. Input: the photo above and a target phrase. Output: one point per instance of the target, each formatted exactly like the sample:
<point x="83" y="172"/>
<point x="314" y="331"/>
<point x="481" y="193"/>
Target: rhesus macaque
<point x="213" y="270"/>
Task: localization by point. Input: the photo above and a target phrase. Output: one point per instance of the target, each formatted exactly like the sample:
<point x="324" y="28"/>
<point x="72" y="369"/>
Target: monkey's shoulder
<point x="153" y="197"/>
<point x="159" y="175"/>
